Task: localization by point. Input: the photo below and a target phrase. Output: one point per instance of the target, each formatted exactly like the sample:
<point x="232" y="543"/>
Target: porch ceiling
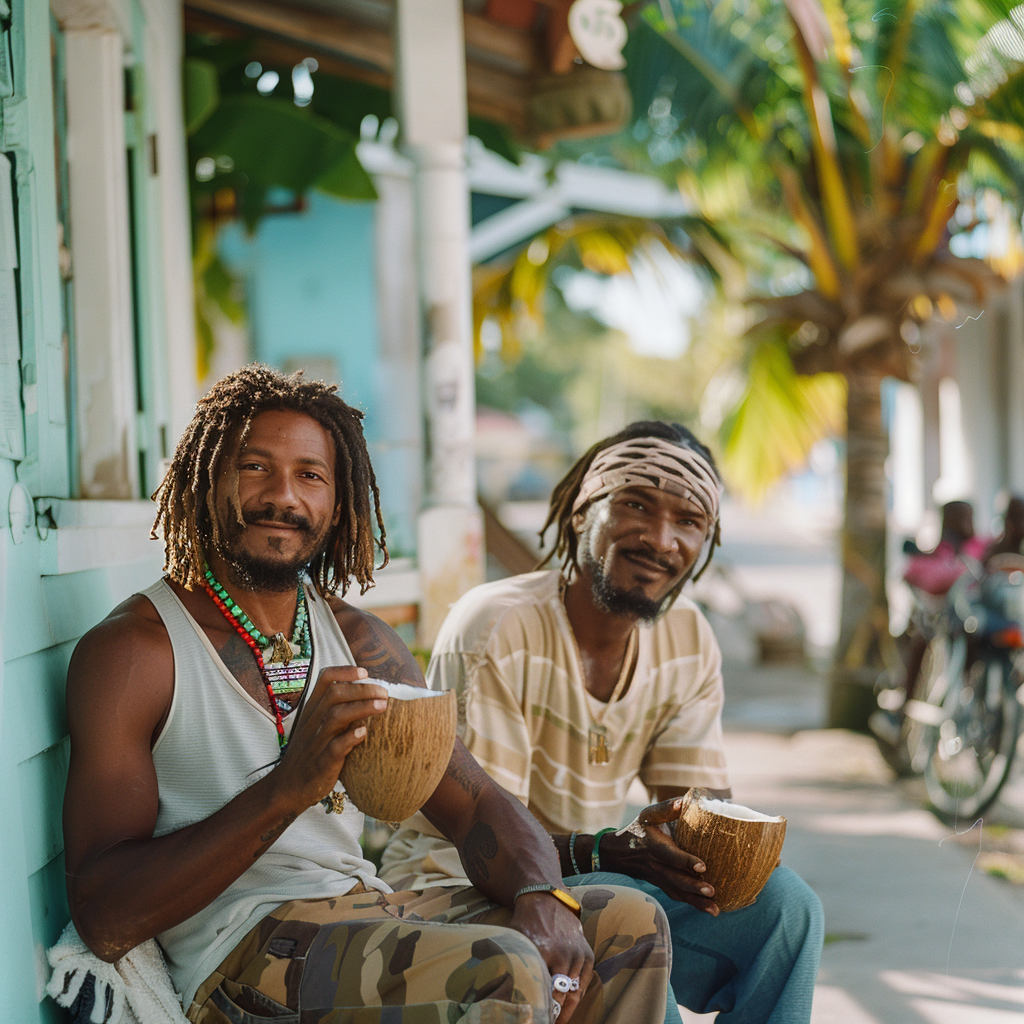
<point x="353" y="39"/>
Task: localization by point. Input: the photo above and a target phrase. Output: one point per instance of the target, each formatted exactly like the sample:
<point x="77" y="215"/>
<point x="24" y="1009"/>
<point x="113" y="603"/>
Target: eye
<point x="312" y="475"/>
<point x="250" y="464"/>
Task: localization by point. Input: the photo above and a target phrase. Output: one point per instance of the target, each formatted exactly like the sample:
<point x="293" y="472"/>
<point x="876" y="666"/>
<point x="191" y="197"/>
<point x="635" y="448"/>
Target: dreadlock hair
<point x="187" y="495"/>
<point x="564" y="494"/>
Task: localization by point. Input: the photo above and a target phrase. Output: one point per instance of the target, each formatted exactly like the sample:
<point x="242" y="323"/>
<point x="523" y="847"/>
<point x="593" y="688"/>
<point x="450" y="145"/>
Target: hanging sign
<point x="597" y="29"/>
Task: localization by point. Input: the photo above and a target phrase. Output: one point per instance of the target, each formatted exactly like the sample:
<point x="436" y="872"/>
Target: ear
<point x="578" y="520"/>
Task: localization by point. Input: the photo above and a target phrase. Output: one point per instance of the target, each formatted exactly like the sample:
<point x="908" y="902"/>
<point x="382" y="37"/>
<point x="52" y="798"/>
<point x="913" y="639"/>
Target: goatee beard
<point x="616" y="601"/>
<point x="253" y="572"/>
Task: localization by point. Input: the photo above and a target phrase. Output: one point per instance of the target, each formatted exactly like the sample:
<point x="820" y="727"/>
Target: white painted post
<point x="431" y="80"/>
<point x="163" y="64"/>
<point x="399" y="368"/>
<point x="101" y="256"/>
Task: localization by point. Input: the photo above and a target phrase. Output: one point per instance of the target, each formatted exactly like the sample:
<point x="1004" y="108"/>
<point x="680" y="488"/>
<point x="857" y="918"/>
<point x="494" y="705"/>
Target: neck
<point x="272" y="611"/>
<point x="597" y="631"/>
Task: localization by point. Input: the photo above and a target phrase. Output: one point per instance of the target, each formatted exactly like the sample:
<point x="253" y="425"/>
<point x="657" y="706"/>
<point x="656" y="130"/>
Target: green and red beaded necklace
<point x="289" y="661"/>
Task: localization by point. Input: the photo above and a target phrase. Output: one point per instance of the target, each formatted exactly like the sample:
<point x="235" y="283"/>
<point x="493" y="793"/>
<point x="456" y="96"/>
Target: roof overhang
<point x="509" y="70"/>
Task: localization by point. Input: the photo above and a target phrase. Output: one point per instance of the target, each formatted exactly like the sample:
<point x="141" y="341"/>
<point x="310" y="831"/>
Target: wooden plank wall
<point x="50" y="592"/>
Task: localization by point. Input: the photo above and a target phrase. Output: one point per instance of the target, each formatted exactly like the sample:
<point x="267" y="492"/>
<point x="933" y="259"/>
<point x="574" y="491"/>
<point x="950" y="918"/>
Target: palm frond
<point x="780" y="417"/>
<point x="707" y="72"/>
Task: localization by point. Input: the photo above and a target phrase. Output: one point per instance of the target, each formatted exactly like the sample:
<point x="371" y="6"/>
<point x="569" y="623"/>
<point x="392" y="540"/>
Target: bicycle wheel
<point x="970" y="752"/>
<point x="904" y="747"/>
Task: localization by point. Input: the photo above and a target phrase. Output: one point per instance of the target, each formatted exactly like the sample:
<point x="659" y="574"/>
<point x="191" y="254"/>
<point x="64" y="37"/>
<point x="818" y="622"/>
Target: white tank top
<point x="216" y="742"/>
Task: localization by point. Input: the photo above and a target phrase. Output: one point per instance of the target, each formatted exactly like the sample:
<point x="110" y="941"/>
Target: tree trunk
<point x="864" y="615"/>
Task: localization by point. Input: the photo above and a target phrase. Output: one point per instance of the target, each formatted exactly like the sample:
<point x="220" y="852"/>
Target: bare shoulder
<point x="376" y="646"/>
<point x="127" y="660"/>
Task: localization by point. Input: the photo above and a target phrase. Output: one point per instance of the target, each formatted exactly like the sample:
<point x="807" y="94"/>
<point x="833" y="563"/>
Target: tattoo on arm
<point x="480" y="846"/>
<point x="272" y="835"/>
<point x="379" y="649"/>
<point x="470" y="777"/>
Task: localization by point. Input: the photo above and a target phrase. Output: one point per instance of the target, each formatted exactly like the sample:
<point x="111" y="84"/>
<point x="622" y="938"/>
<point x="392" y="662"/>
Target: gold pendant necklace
<point x="598" y="751"/>
<point x="597" y="746"/>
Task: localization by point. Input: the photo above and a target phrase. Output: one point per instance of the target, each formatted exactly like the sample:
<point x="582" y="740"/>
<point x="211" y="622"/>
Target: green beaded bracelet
<point x="595" y="860"/>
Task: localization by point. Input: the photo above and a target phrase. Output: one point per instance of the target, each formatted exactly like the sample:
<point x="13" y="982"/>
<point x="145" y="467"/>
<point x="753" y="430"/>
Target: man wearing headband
<point x="575" y="681"/>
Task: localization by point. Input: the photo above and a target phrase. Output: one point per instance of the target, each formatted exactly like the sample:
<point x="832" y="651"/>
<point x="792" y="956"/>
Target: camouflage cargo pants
<point x="433" y="957"/>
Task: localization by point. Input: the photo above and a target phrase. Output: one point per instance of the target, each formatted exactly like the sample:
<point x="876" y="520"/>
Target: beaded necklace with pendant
<point x="289" y="663"/>
<point x="283" y="665"/>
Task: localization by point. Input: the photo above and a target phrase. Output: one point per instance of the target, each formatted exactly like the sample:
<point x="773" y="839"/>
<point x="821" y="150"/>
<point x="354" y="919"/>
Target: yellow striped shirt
<point x="507" y="649"/>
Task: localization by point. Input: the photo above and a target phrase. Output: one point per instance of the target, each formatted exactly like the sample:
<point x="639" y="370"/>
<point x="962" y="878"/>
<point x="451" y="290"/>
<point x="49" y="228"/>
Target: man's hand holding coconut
<point x="230" y="724"/>
<point x="578" y="680"/>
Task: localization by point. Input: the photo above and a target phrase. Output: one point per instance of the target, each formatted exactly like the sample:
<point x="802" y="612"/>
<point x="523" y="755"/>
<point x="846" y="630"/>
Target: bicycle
<point x="970" y="715"/>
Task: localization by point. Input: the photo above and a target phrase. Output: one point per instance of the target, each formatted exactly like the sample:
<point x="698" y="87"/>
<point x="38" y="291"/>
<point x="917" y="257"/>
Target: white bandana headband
<point x="653" y="462"/>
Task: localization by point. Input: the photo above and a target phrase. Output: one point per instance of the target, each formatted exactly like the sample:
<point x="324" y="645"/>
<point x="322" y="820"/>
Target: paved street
<point x="916" y="934"/>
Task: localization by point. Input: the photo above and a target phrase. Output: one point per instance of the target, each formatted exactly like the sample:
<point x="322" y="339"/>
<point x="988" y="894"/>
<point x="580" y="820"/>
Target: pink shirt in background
<point x="937" y="572"/>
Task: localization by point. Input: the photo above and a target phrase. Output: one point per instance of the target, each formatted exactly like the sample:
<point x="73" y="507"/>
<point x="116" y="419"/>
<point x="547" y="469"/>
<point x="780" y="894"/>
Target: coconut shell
<point x="392" y="773"/>
<point x="739" y="855"/>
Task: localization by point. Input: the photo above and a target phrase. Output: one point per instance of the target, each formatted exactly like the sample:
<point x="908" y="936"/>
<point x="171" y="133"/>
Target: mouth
<point x="648" y="565"/>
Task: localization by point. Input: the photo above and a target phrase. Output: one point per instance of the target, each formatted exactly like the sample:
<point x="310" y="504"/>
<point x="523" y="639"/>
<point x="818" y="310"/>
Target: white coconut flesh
<point x="738" y="812"/>
<point x="403" y="691"/>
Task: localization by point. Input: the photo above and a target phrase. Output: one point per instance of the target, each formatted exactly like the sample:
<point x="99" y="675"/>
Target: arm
<point x="584" y="844"/>
<point x="124" y="885"/>
<point x="502" y="846"/>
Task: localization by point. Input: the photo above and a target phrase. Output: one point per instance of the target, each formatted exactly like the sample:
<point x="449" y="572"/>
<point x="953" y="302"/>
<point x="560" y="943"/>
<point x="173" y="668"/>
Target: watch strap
<point x="560" y="894"/>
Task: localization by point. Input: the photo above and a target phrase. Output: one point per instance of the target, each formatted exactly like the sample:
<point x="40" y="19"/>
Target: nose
<point x="279" y="491"/>
<point x="659" y="534"/>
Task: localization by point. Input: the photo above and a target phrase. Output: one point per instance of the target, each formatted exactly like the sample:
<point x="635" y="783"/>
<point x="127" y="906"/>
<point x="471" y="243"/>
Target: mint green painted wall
<point x="43" y="616"/>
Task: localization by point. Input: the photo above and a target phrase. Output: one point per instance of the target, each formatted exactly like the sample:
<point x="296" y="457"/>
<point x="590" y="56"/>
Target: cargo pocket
<point x="247" y="1005"/>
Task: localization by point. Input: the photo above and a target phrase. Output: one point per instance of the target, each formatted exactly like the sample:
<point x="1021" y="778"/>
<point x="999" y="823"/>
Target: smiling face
<point x="636" y="545"/>
<point x="288" y="498"/>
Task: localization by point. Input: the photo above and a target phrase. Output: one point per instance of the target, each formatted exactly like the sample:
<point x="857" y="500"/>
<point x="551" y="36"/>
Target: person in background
<point x="936" y="571"/>
<point x="575" y="681"/>
<point x="1011" y="542"/>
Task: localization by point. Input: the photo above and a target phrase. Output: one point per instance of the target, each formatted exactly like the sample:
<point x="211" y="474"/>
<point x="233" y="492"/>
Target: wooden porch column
<point x="431" y="100"/>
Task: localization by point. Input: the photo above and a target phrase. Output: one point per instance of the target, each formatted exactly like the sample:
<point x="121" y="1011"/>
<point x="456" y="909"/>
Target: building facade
<point x="97" y="378"/>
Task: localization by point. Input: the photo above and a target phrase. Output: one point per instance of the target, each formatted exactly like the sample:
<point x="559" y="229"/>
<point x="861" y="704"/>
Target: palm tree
<point x="841" y="137"/>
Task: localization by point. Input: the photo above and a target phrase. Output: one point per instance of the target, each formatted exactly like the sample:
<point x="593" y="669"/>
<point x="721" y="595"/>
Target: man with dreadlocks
<point x="202" y="804"/>
<point x="575" y="681"/>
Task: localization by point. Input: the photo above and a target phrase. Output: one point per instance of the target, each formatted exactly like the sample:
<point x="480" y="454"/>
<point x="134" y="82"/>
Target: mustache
<point x="665" y="564"/>
<point x="269" y="514"/>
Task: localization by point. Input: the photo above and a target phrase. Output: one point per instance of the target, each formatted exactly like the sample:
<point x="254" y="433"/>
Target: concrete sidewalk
<point x="901" y="947"/>
<point x="916" y="932"/>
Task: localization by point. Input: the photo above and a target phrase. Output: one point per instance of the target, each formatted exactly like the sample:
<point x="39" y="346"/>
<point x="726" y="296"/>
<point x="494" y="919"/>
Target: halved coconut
<point x="739" y="847"/>
<point x="407" y="748"/>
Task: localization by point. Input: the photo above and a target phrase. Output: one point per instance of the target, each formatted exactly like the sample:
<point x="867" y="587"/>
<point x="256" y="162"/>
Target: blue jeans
<point x="754" y="966"/>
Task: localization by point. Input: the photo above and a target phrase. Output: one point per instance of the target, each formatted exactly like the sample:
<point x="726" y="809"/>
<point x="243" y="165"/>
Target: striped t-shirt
<point x="507" y="649"/>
